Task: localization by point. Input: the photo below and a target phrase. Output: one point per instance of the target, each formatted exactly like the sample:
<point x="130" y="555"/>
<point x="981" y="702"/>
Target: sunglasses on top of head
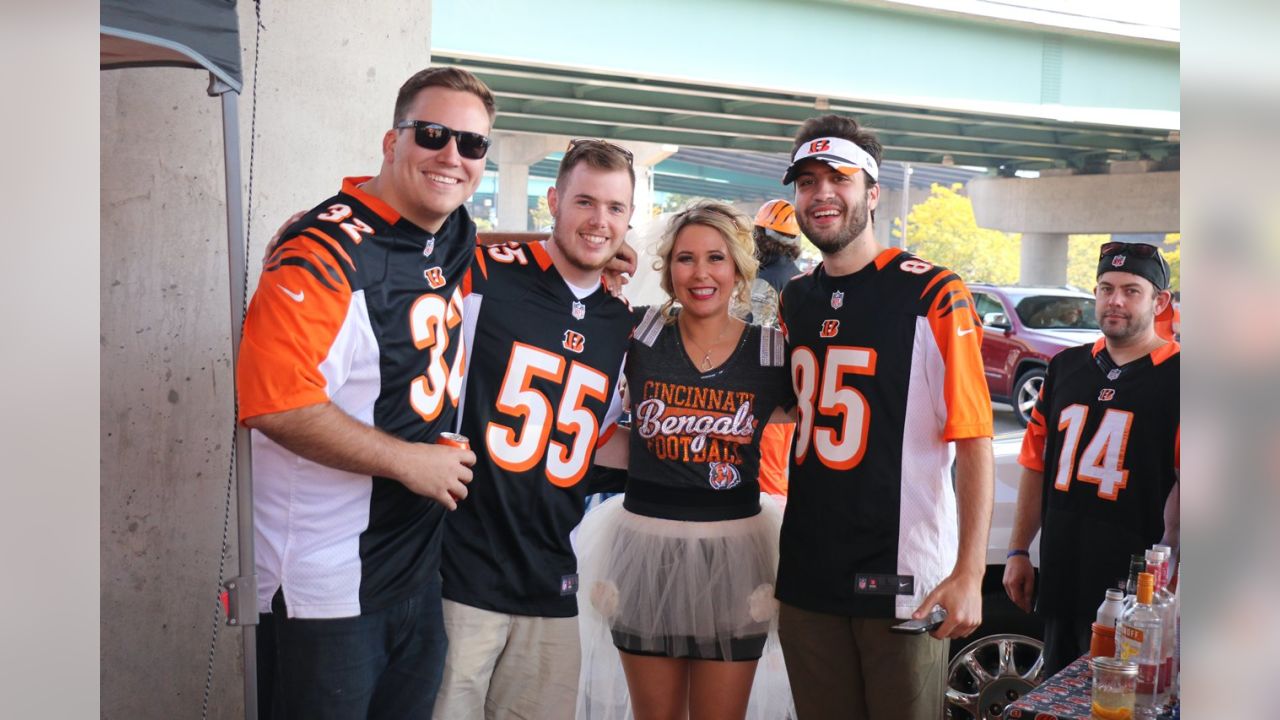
<point x="597" y="142"/>
<point x="434" y="136"/>
<point x="1142" y="250"/>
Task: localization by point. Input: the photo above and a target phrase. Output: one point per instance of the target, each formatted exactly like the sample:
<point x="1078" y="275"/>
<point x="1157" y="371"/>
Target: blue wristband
<point x="1015" y="553"/>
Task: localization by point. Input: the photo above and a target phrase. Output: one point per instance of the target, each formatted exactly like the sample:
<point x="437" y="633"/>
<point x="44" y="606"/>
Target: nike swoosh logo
<point x="962" y="333"/>
<point x="296" y="296"/>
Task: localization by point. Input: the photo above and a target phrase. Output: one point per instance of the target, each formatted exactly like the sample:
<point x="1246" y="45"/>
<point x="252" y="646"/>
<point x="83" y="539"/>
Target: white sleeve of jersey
<point x="616" y="404"/>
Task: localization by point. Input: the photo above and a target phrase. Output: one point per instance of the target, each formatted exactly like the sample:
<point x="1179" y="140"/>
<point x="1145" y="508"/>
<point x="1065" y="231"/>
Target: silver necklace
<point x="705" y="365"/>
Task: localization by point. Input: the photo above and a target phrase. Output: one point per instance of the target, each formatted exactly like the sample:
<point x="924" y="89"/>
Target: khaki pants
<point x="508" y="666"/>
<point x="844" y="668"/>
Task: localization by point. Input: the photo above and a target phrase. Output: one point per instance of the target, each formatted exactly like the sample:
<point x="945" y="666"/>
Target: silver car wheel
<point x="990" y="674"/>
<point x="1028" y="393"/>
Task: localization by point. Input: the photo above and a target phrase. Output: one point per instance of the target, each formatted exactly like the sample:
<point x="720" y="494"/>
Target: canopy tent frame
<point x="205" y="35"/>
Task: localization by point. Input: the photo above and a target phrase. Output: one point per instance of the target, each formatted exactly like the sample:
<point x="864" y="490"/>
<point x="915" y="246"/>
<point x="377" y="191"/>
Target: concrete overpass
<point x="1017" y="95"/>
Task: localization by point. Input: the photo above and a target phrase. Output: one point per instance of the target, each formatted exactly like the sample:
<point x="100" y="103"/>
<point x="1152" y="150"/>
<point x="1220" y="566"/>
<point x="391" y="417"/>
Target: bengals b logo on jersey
<point x="574" y="341"/>
<point x="434" y="277"/>
<point x="829" y="328"/>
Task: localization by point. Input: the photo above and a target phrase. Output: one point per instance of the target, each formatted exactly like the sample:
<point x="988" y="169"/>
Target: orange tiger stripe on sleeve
<point x="958" y="333"/>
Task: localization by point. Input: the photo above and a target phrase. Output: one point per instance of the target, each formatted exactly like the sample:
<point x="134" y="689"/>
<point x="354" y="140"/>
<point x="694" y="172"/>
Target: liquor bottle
<point x="1137" y="564"/>
<point x="1162" y="603"/>
<point x="1138" y="636"/>
<point x="1103" y="641"/>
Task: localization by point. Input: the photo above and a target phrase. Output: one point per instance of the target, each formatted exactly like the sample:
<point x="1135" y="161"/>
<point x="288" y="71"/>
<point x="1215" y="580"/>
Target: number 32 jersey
<point x="540" y="396"/>
<point x="361" y="308"/>
<point x="886" y="364"/>
<point x="1106" y="438"/>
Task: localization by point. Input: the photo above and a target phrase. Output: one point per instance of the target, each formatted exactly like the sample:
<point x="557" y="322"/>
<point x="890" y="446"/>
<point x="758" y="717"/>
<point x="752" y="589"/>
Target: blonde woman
<point x="681" y="569"/>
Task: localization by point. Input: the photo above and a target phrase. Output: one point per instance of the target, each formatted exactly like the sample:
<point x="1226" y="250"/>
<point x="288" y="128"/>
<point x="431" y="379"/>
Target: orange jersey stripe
<point x="959" y="337"/>
<point x="289" y="330"/>
<point x="885" y="257"/>
<point x="333" y="244"/>
<point x="351" y="186"/>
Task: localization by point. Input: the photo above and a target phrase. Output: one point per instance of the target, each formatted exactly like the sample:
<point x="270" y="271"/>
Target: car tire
<point x="1025" y="392"/>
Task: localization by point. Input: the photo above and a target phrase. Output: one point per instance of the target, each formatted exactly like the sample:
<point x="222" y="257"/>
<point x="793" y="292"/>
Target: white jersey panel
<point x="928" y="538"/>
<point x="309" y="517"/>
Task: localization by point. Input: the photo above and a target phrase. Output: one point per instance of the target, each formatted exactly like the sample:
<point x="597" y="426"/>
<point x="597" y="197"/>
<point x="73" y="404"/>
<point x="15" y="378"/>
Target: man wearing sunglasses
<point x="545" y="346"/>
<point x="1100" y="456"/>
<point x="350" y="368"/>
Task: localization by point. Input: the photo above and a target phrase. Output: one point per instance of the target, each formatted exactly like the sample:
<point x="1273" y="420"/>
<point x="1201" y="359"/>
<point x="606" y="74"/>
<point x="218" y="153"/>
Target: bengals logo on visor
<point x="574" y="341"/>
<point x="818" y="146"/>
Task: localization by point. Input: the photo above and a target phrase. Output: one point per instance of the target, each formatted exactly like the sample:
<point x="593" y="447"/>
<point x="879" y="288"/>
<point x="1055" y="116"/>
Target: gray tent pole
<point x="242" y="590"/>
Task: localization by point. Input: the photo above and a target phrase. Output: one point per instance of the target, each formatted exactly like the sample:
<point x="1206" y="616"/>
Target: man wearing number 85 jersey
<point x="886" y="364"/>
<point x="1100" y="456"/>
<point x="545" y="347"/>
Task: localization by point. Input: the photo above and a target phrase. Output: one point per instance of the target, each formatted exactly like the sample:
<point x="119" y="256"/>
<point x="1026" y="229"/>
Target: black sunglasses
<point x="597" y="142"/>
<point x="1142" y="250"/>
<point x="434" y="136"/>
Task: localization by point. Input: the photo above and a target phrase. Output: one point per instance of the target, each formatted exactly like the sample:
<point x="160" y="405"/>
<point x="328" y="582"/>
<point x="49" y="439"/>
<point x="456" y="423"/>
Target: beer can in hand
<point x="454" y="440"/>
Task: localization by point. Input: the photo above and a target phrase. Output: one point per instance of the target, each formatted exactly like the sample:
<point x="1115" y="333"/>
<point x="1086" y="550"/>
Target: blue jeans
<point x="384" y="664"/>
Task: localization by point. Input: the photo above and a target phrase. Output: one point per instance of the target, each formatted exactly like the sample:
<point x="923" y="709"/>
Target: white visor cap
<point x="840" y="154"/>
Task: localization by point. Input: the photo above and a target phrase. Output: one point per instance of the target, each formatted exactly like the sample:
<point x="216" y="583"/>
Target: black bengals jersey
<point x="1107" y="440"/>
<point x="359" y="307"/>
<point x="887" y="369"/>
<point x="695" y="436"/>
<point x="541" y="395"/>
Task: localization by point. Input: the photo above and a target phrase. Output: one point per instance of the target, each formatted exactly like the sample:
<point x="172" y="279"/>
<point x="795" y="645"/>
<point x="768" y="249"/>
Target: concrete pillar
<point x="166" y="398"/>
<point x="647" y="156"/>
<point x="1044" y="259"/>
<point x="513" y="154"/>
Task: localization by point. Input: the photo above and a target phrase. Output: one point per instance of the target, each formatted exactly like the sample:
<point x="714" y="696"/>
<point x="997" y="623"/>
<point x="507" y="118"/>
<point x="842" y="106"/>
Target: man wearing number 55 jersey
<point x="350" y="367"/>
<point x="545" y="346"/>
<point x="885" y="359"/>
<point x="1100" y="456"/>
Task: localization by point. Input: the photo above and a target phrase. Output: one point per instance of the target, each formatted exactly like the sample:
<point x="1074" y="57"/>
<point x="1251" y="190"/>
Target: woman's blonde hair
<point x="733" y="226"/>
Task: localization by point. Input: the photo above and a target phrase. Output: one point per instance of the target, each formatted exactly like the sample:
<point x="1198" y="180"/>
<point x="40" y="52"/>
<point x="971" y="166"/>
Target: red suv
<point x="1023" y="327"/>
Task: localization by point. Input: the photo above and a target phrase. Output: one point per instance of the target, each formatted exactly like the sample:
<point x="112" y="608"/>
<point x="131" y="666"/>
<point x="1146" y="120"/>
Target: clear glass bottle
<point x="1138" y="636"/>
<point x="1137" y="564"/>
<point x="1162" y="603"/>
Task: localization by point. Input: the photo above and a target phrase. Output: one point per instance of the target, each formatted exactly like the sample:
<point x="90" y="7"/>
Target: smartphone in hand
<point x="926" y="624"/>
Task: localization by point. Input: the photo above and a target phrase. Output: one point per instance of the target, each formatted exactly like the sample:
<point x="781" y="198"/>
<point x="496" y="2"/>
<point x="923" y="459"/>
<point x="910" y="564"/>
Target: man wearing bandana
<point x="1100" y="456"/>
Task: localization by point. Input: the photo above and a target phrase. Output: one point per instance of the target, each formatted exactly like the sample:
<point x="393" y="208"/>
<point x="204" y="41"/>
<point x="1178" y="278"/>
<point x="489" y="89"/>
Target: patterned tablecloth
<point x="1065" y="696"/>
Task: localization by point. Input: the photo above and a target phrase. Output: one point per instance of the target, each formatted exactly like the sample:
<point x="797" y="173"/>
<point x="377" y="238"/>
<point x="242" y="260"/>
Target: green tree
<point x="943" y="230"/>
<point x="541" y="216"/>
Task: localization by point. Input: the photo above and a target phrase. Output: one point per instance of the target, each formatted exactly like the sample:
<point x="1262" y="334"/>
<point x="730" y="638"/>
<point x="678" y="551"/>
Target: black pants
<point x="1065" y="640"/>
<point x="384" y="664"/>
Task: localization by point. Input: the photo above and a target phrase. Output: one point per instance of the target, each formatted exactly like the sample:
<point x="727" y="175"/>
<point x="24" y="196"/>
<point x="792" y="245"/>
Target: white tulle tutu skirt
<point x="701" y="590"/>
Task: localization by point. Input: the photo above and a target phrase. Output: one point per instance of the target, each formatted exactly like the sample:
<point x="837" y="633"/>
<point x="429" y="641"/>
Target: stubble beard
<point x="1130" y="331"/>
<point x="856" y="223"/>
<point x="569" y="253"/>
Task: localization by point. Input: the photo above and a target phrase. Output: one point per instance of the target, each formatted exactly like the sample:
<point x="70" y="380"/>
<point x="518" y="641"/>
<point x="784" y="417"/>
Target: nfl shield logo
<point x="430" y="247"/>
<point x="1115" y="373"/>
<point x="837" y="299"/>
<point x="579" y="310"/>
<point x="1106" y="394"/>
<point x="1117" y="261"/>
